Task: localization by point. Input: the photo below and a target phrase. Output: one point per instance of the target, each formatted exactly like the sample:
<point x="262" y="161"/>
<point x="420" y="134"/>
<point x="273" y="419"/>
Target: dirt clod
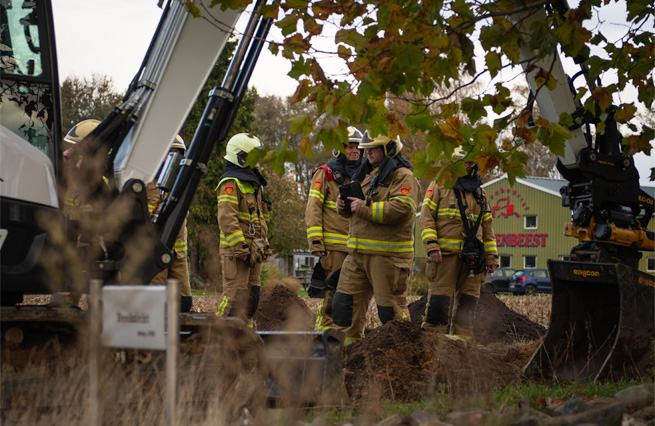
<point x="402" y="362"/>
<point x="281" y="309"/>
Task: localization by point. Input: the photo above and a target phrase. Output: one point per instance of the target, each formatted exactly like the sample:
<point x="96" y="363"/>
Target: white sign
<point x="134" y="316"/>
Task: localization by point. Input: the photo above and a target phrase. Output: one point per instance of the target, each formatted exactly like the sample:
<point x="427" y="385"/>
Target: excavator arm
<point x="609" y="210"/>
<point x="134" y="140"/>
<point x="123" y="242"/>
<point x="602" y="316"/>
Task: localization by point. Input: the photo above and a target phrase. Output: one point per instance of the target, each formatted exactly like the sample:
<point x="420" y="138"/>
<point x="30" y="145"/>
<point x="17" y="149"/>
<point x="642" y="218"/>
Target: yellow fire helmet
<point x="178" y="143"/>
<point x="354" y="136"/>
<point x="81" y="130"/>
<point x="390" y="146"/>
<point x="459" y="153"/>
<point x="239" y="146"/>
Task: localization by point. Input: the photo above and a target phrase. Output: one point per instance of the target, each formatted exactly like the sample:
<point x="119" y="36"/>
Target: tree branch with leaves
<point x="411" y="49"/>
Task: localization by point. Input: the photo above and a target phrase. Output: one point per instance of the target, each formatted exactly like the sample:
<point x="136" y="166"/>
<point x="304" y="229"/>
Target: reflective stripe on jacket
<point x="242" y="216"/>
<point x="326" y="229"/>
<point x="385" y="225"/>
<point x="154" y="198"/>
<point x="441" y="222"/>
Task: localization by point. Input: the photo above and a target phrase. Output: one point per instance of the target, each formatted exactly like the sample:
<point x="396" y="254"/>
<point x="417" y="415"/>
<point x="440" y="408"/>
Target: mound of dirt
<point x="280" y="309"/>
<point x="402" y="362"/>
<point x="494" y="321"/>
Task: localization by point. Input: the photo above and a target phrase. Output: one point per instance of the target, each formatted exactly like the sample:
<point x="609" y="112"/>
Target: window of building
<point x="530" y="221"/>
<point x="650" y="264"/>
<point x="505" y="261"/>
<point x="529" y="262"/>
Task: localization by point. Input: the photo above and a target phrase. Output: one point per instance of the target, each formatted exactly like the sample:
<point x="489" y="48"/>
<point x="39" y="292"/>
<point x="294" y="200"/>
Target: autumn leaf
<point x="451" y="127"/>
<point x="306" y="147"/>
<point x="625" y="113"/>
<point x="603" y="97"/>
<point x="486" y="162"/>
<point x="524" y="118"/>
<point x="526" y="134"/>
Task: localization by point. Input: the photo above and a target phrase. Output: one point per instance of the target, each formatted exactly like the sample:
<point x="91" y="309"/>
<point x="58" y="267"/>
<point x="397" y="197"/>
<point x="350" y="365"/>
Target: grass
<point x="537" y="393"/>
<point x="498" y="401"/>
<point x="199" y="293"/>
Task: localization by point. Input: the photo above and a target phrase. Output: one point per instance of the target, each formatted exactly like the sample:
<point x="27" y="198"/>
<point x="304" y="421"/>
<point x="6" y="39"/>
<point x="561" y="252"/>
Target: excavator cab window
<point x="29" y="85"/>
<point x="21" y="53"/>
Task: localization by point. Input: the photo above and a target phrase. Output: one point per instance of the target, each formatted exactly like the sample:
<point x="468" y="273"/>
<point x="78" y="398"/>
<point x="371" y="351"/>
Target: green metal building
<point x="529" y="223"/>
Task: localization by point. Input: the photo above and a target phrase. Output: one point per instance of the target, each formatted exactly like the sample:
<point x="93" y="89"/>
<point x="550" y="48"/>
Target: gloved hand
<point x="332" y="281"/>
<point x="256" y="252"/>
<point x="317" y="283"/>
<point x="314" y="291"/>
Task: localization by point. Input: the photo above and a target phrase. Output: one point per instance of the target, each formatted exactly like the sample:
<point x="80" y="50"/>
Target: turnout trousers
<point x="451" y="282"/>
<point x="178" y="270"/>
<point x="330" y="262"/>
<point x="241" y="289"/>
<point x="362" y="277"/>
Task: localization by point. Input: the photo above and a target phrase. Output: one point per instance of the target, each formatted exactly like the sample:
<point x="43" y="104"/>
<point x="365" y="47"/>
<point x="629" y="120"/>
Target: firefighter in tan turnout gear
<point x="380" y="240"/>
<point x="243" y="213"/>
<point x="179" y="269"/>
<point x="327" y="230"/>
<point x="75" y="203"/>
<point x="443" y="233"/>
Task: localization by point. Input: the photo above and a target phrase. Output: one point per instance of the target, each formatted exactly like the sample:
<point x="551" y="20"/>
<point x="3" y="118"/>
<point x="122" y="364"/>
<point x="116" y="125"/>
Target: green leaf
<point x="254" y="156"/>
<point x="288" y="24"/>
<point x="420" y="122"/>
<point x="493" y="63"/>
<point x="301" y="123"/>
<point x="474" y="109"/>
<point x="463" y="9"/>
<point x="298" y="68"/>
<point x="484" y="136"/>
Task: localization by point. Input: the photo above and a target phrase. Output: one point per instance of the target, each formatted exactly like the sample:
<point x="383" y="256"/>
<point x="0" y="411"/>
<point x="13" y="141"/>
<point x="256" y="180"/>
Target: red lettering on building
<point x="521" y="240"/>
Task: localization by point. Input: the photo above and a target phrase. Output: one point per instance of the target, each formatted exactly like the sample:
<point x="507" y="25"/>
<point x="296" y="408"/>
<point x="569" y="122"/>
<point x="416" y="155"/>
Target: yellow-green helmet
<point x="81" y="130"/>
<point x="239" y="146"/>
<point x="390" y="146"/>
<point x="354" y="136"/>
<point x="459" y="153"/>
<point x="178" y="143"/>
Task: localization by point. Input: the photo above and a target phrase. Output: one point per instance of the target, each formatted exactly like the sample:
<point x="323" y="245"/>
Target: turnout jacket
<point x="154" y="198"/>
<point x="384" y="224"/>
<point x="441" y="222"/>
<point x="242" y="216"/>
<point x="326" y="229"/>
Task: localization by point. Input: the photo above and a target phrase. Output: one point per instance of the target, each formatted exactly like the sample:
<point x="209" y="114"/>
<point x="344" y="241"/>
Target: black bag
<point x="473" y="253"/>
<point x="316" y="287"/>
<point x="474" y="256"/>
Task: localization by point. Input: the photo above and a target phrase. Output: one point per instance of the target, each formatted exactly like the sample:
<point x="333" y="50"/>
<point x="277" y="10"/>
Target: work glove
<point x="256" y="255"/>
<point x="316" y="287"/>
<point x="332" y="281"/>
